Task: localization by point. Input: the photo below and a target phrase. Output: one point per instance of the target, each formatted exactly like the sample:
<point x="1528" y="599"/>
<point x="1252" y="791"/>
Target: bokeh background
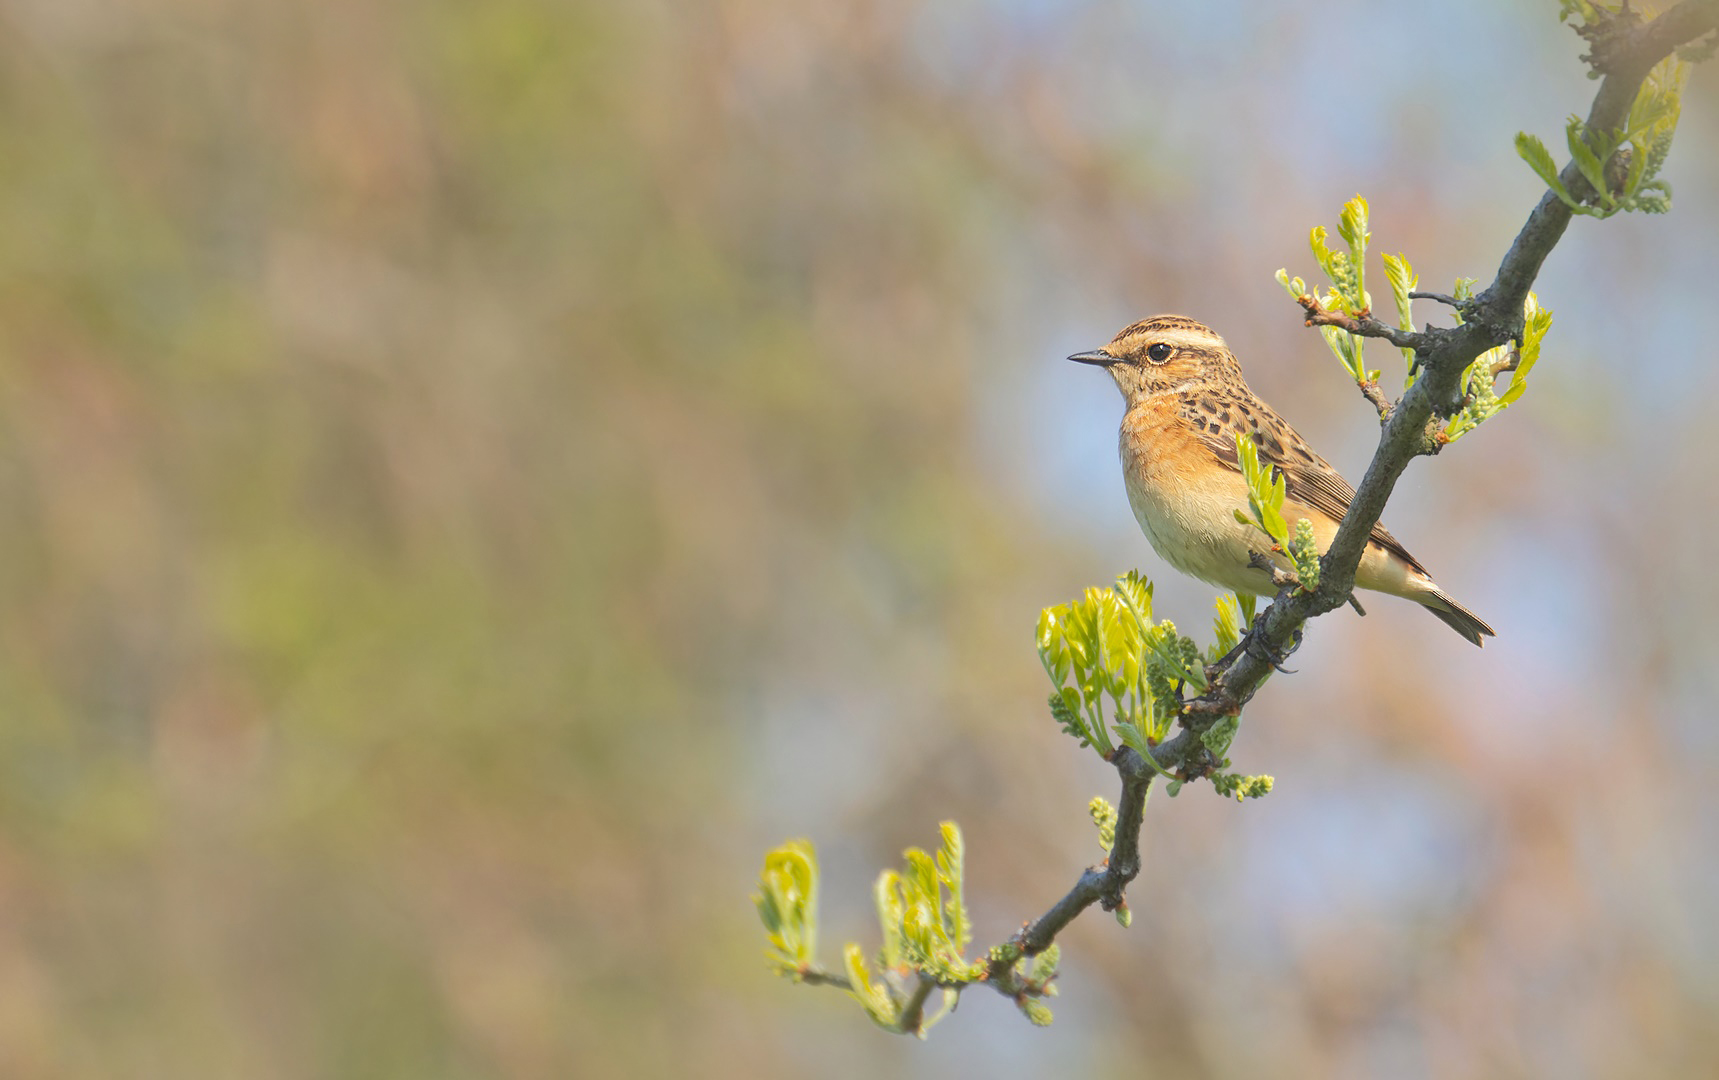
<point x="476" y="475"/>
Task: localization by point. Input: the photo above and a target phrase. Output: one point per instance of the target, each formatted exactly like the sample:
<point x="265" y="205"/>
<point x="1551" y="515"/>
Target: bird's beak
<point x="1096" y="356"/>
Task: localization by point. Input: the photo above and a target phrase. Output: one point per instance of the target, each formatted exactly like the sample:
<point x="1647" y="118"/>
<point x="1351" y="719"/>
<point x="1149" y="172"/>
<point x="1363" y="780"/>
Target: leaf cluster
<point x="1480" y="380"/>
<point x="787" y="903"/>
<point x="1266" y="488"/>
<point x="1622" y="165"/>
<point x="1403" y="281"/>
<point x="1347" y="272"/>
<point x="1655" y="114"/>
<point x="1347" y="293"/>
<point x="922" y="913"/>
<point x="1117" y="675"/>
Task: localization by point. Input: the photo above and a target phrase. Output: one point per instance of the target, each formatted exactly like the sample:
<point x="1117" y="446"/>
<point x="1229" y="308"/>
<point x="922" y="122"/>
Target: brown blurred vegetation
<point x="476" y="474"/>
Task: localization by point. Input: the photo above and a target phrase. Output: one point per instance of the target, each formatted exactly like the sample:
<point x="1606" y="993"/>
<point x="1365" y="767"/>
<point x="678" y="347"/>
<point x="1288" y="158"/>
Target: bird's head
<point x="1165" y="353"/>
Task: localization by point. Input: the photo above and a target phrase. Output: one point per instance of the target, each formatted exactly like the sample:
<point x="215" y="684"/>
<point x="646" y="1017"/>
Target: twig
<point x="912" y="1014"/>
<point x="1443" y="298"/>
<point x="1507" y="363"/>
<point x="1105" y="884"/>
<point x="1280" y="578"/>
<point x="816" y="976"/>
<point x="1363" y="325"/>
<point x="1370" y="390"/>
<point x="1622" y="47"/>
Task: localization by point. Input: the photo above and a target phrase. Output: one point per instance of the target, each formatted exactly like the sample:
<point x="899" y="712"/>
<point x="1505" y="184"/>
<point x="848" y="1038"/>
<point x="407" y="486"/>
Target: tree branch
<point x="1376" y="397"/>
<point x="1105" y="883"/>
<point x="1624" y="58"/>
<point x="913" y="1009"/>
<point x="1362" y="325"/>
<point x="813" y="975"/>
<point x="1365" y="326"/>
<point x="1443" y="298"/>
<point x="1280" y="578"/>
<point x="1624" y="50"/>
<point x="1494" y="317"/>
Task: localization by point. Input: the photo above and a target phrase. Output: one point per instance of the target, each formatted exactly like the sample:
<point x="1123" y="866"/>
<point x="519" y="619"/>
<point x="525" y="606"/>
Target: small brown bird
<point x="1186" y="402"/>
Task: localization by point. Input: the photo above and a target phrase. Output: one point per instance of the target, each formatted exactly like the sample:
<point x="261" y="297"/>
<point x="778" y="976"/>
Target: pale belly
<point x="1189" y="519"/>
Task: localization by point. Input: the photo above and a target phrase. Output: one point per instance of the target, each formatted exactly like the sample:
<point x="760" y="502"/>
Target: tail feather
<point x="1458" y="618"/>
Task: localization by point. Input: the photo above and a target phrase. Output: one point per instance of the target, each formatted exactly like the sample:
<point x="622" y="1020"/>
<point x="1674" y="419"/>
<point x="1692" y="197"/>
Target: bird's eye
<point x="1159" y="353"/>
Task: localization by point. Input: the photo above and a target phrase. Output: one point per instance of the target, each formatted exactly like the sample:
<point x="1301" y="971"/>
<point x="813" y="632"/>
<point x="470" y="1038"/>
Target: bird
<point x="1186" y="402"/>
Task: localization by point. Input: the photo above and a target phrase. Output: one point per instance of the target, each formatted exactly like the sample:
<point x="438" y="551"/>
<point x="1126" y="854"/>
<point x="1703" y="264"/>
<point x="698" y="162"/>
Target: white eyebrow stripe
<point x="1189" y="339"/>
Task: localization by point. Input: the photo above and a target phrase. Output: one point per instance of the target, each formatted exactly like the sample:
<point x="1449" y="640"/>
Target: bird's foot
<point x="1259" y="650"/>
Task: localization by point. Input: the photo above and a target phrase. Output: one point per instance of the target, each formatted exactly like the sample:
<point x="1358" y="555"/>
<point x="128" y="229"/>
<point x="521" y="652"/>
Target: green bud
<point x="1103" y="816"/>
<point x="1044" y="964"/>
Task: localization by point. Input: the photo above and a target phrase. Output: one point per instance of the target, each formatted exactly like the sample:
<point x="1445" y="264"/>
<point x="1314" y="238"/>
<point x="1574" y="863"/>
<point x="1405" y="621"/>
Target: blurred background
<point x="476" y="475"/>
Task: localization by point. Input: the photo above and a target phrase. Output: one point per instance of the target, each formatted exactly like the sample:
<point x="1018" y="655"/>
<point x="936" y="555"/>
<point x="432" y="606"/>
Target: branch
<point x="1623" y="50"/>
<point x="1362" y="325"/>
<point x="1443" y="298"/>
<point x="1280" y="578"/>
<point x="1101" y="884"/>
<point x="913" y="1010"/>
<point x="1621" y="44"/>
<point x="1376" y="397"/>
<point x="813" y="975"/>
<point x="1494" y="317"/>
<point x="1624" y="58"/>
<point x="1184" y="756"/>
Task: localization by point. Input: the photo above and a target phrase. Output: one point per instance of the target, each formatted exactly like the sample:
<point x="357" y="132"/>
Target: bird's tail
<point x="1457" y="617"/>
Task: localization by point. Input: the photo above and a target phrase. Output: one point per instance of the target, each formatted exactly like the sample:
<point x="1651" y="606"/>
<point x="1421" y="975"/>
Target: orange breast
<point x="1184" y="500"/>
<point x="1160" y="451"/>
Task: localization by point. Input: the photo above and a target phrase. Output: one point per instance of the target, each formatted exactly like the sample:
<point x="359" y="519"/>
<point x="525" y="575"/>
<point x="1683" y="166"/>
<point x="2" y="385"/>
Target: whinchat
<point x="1186" y="402"/>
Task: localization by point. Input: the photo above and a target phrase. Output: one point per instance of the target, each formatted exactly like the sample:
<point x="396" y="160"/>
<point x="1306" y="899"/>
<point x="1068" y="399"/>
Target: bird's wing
<point x="1308" y="478"/>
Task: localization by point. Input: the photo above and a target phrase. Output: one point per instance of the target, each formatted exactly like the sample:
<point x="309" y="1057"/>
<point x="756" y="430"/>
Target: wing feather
<point x="1308" y="478"/>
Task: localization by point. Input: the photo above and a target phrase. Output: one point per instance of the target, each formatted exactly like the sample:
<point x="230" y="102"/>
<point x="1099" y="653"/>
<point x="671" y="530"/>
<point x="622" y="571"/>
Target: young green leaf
<point x="1226" y="623"/>
<point x="879" y="1003"/>
<point x="886" y="896"/>
<point x="1352" y="227"/>
<point x="1480" y="384"/>
<point x="1535" y="322"/>
<point x="1534" y="152"/>
<point x="1652" y="123"/>
<point x="1265" y="495"/>
<point x="1403" y="281"/>
<point x="787" y="903"/>
<point x="1294" y="286"/>
<point x="1590" y="159"/>
<point x="950" y="868"/>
